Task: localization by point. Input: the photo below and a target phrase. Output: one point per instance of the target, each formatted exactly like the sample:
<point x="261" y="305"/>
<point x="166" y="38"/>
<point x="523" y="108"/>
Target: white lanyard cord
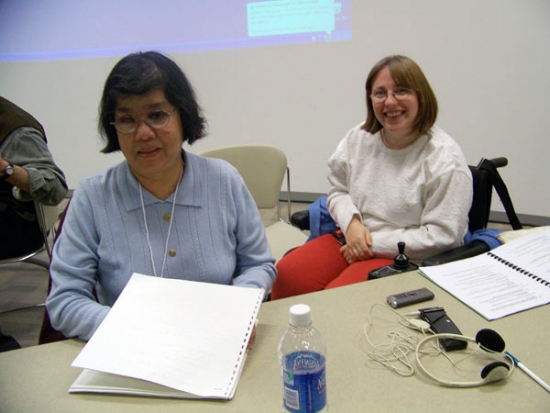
<point x="169" y="229"/>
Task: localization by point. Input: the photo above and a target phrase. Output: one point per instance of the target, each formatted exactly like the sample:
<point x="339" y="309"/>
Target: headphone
<point x="487" y="340"/>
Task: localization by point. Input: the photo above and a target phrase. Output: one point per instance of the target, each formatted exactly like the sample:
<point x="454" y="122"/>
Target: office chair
<point x="47" y="218"/>
<point x="48" y="334"/>
<point x="485" y="177"/>
<point x="264" y="168"/>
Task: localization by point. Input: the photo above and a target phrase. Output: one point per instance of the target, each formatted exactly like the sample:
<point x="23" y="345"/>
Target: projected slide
<point x="68" y="29"/>
<point x="270" y="18"/>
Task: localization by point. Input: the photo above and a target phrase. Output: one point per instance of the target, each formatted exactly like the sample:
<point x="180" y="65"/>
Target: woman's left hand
<point x="352" y="255"/>
<point x="358" y="242"/>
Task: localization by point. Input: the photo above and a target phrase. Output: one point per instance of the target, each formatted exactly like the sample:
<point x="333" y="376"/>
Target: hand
<point x="358" y="242"/>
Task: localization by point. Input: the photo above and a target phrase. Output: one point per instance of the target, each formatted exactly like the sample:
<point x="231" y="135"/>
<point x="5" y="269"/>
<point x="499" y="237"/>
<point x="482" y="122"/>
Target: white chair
<point x="263" y="168"/>
<point x="47" y="218"/>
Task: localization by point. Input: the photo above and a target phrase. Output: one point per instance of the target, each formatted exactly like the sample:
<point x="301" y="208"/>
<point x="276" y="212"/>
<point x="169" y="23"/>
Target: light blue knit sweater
<point x="217" y="236"/>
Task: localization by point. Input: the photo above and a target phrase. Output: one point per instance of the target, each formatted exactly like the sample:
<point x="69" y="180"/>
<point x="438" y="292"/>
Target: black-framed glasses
<point x="156" y="120"/>
<point x="399" y="93"/>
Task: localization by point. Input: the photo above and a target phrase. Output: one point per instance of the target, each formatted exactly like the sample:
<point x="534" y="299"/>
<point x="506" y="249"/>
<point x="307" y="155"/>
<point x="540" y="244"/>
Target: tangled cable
<point x="394" y="354"/>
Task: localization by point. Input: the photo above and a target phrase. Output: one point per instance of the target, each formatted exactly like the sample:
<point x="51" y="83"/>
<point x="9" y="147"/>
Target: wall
<point x="487" y="61"/>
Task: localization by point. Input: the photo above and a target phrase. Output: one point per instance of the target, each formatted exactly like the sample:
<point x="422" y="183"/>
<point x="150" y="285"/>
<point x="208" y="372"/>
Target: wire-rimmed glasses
<point x="156" y="120"/>
<point x="399" y="93"/>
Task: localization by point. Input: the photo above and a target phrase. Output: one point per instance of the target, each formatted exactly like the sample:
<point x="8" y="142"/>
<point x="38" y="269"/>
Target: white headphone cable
<point x="400" y="346"/>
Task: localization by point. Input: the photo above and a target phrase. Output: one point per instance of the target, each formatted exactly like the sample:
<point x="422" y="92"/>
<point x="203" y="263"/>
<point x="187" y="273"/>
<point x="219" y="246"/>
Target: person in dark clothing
<point x="28" y="174"/>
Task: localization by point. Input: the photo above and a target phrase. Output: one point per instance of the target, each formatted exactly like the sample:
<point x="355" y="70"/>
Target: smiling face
<point x="397" y="117"/>
<point x="151" y="153"/>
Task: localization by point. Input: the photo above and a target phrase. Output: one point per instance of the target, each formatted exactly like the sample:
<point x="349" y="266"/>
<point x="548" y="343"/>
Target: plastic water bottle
<point x="302" y="356"/>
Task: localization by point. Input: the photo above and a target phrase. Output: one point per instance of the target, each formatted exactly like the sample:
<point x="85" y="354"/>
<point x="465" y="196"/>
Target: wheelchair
<point x="485" y="178"/>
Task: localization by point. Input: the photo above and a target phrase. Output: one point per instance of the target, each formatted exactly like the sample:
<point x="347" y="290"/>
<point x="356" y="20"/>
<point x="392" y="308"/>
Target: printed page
<point x="185" y="335"/>
<point x="530" y="252"/>
<point x="489" y="287"/>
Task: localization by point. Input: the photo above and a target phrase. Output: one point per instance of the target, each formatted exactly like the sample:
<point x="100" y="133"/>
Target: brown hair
<point x="405" y="72"/>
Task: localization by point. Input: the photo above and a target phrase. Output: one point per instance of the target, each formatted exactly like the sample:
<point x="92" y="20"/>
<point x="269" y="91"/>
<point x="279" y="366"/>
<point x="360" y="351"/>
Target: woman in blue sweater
<point x="162" y="211"/>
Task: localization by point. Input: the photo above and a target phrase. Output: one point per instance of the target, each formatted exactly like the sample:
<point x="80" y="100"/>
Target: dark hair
<point x="139" y="73"/>
<point x="405" y="72"/>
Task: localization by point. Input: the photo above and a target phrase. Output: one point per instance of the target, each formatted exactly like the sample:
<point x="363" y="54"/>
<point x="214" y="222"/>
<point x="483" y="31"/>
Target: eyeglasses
<point x="399" y="93"/>
<point x="129" y="124"/>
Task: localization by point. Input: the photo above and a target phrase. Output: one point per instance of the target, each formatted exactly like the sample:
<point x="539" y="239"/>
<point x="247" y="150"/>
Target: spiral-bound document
<point x="508" y="279"/>
<point x="171" y="338"/>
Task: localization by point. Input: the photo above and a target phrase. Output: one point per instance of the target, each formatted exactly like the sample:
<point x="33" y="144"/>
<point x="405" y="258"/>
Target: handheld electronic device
<point x="441" y="323"/>
<point x="409" y="297"/>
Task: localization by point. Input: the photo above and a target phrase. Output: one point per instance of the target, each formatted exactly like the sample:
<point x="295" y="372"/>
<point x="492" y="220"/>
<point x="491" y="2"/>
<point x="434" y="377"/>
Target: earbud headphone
<point x="394" y="353"/>
<point x="486" y="339"/>
<point x="417" y="324"/>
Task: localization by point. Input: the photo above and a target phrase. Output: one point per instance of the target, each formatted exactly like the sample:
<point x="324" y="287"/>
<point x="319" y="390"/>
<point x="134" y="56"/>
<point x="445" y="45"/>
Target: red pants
<point x="319" y="265"/>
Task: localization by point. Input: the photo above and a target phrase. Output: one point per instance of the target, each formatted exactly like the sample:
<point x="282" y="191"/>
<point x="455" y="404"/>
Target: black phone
<point x="409" y="297"/>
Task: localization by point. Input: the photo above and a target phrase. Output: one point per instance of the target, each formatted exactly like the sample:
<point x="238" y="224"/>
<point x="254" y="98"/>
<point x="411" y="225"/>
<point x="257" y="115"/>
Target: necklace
<point x="169" y="228"/>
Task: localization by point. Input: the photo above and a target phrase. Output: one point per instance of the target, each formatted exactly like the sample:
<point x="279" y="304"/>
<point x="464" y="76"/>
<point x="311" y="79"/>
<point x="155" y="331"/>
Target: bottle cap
<point x="300" y="315"/>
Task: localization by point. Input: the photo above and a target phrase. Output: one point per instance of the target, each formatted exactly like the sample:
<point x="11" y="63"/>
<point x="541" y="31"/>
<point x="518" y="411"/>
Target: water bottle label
<point x="304" y="382"/>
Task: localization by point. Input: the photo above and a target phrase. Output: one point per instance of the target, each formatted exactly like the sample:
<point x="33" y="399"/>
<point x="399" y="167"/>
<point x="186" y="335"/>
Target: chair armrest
<point x="300" y="219"/>
<point x="459" y="253"/>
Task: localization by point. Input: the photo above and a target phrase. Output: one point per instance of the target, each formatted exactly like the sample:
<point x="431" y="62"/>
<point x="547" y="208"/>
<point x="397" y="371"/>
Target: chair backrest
<point x="486" y="177"/>
<point x="47" y="333"/>
<point x="48" y="216"/>
<point x="481" y="201"/>
<point x="263" y="168"/>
